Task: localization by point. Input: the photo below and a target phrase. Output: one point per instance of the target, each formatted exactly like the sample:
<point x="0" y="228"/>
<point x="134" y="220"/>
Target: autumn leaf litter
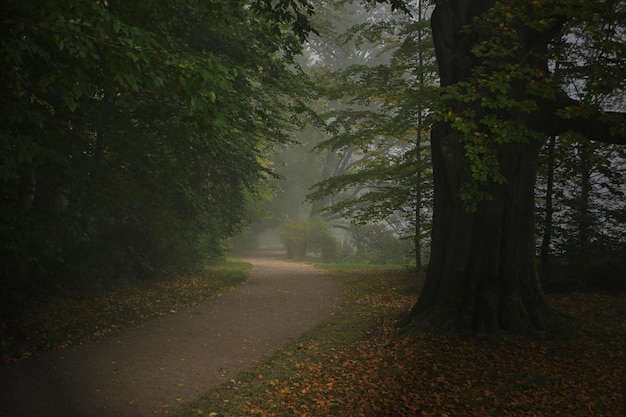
<point x="378" y="372"/>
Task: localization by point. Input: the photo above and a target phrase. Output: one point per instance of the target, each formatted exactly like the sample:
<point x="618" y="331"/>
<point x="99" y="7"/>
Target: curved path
<point x="153" y="369"/>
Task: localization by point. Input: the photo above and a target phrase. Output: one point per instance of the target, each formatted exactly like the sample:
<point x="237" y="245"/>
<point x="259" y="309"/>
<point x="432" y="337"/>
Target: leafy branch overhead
<point x="134" y="135"/>
<point x="513" y="95"/>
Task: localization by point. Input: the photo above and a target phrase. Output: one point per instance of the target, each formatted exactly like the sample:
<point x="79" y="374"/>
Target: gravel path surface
<point x="155" y="368"/>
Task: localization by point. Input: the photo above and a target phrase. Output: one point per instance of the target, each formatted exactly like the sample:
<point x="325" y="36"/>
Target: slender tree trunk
<point x="583" y="216"/>
<point x="420" y="166"/>
<point x="418" y="215"/>
<point x="482" y="274"/>
<point x="549" y="210"/>
<point x="419" y="188"/>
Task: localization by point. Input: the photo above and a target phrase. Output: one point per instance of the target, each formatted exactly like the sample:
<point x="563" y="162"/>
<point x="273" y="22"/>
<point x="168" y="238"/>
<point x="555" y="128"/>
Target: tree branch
<point x="596" y="125"/>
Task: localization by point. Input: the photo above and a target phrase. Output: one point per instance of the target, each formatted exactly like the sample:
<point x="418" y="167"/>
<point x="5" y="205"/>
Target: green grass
<point x="347" y="267"/>
<point x="74" y="321"/>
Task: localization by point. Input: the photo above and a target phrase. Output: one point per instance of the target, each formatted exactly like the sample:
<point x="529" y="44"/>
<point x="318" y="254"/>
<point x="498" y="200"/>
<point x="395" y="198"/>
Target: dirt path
<point x="153" y="369"/>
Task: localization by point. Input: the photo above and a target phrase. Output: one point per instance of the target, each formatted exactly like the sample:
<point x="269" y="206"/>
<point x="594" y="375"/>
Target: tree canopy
<point x="133" y="133"/>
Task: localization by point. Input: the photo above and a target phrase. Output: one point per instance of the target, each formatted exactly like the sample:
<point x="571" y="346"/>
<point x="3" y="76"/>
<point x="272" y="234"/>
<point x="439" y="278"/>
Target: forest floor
<point x="162" y="363"/>
<point x="358" y="365"/>
<point x="344" y="358"/>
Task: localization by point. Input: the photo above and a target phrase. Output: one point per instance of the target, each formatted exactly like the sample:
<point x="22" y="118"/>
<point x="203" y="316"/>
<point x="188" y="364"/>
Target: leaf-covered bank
<point x="358" y="365"/>
<point x="74" y="321"/>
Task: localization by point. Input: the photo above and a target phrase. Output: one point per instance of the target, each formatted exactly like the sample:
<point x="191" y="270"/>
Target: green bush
<point x="376" y="245"/>
<point x="321" y="239"/>
<point x="312" y="235"/>
<point x="292" y="234"/>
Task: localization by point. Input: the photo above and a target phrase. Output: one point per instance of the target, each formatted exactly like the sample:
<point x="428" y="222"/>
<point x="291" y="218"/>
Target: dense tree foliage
<point x="376" y="69"/>
<point x="132" y="134"/>
<point x="346" y="148"/>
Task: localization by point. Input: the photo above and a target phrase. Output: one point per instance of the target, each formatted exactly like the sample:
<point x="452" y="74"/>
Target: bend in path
<point x="153" y="369"/>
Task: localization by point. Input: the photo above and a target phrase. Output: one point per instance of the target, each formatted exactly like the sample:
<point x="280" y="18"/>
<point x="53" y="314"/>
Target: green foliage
<point x="321" y="239"/>
<point x="494" y="106"/>
<point x="293" y="234"/>
<point x="313" y="235"/>
<point x="378" y="97"/>
<point x="584" y="225"/>
<point x="377" y="245"/>
<point x="133" y="136"/>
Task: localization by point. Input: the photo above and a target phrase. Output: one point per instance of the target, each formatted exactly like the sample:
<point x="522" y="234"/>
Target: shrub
<point x="312" y="235"/>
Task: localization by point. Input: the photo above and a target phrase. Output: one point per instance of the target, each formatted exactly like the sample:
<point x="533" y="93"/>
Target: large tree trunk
<point x="482" y="274"/>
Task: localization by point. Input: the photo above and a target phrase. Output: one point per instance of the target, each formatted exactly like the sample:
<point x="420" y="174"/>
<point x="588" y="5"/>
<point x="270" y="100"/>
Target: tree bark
<point x="482" y="274"/>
